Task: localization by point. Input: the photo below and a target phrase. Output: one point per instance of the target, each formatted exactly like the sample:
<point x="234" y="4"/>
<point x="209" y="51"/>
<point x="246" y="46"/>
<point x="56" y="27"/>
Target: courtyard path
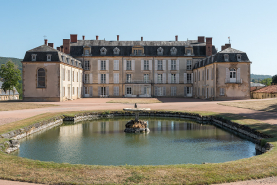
<point x="181" y="104"/>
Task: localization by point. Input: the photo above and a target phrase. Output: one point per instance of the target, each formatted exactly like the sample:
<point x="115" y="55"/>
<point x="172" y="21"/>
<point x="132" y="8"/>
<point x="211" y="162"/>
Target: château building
<point x="191" y="68"/>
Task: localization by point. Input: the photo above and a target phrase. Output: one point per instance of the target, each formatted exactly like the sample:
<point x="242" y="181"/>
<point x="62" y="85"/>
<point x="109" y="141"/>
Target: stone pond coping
<point x="252" y="134"/>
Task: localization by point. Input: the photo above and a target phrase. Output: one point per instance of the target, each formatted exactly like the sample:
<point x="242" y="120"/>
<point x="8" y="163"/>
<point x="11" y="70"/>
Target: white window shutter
<point x="114" y="78"/>
<point x="114" y="64"/>
<point x="133" y="65"/>
<point x="164" y="65"/>
<point x="156" y="91"/>
<point x="107" y="78"/>
<point x="164" y="78"/>
<point x="155" y="78"/>
<point x="191" y="89"/>
<point x="142" y="65"/>
<point x="99" y="78"/>
<point x="107" y="65"/>
<point x="206" y="74"/>
<point x="177" y="78"/>
<point x="99" y="91"/>
<point x="90" y="78"/>
<point x="84" y="78"/>
<point x="114" y="91"/>
<point x="99" y="65"/>
<point x="192" y="78"/>
<point x="142" y="90"/>
<point x="185" y="78"/>
<point x="124" y="64"/>
<point x="156" y="65"/>
<point x="185" y="91"/>
<point x="150" y="65"/>
<point x="169" y="65"/>
<point x="227" y="75"/>
<point x="169" y="78"/>
<point x="177" y="64"/>
<point x="164" y="92"/>
<point x="90" y="91"/>
<point x="238" y="75"/>
<point x="107" y="91"/>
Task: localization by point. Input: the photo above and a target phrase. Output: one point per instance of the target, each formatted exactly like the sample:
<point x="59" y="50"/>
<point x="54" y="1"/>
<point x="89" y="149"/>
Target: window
<point x="86" y="90"/>
<point x="160" y="78"/>
<point x="160" y="65"/>
<point x="221" y="91"/>
<point x="63" y="91"/>
<point x="232" y="75"/>
<point x="146" y="65"/>
<point x="103" y="91"/>
<point x="226" y="57"/>
<point x="173" y="91"/>
<point x="207" y="74"/>
<point x="173" y="51"/>
<point x="160" y="91"/>
<point x="128" y="78"/>
<point x="203" y="75"/>
<point x="173" y="64"/>
<point x="189" y="90"/>
<point x="103" y="51"/>
<point x="173" y="78"/>
<point x="238" y="57"/>
<point x="189" y="78"/>
<point x="129" y="65"/>
<point x="68" y="92"/>
<point x="49" y="57"/>
<point x="146" y="78"/>
<point x="103" y="65"/>
<point x="188" y="52"/>
<point x="68" y="75"/>
<point x="63" y="74"/>
<point x="129" y="90"/>
<point x="103" y="78"/>
<point x="67" y="60"/>
<point x="34" y="57"/>
<point x="73" y="90"/>
<point x="73" y="76"/>
<point x="198" y="75"/>
<point x="86" y="78"/>
<point x="116" y="51"/>
<point x="116" y="78"/>
<point x="86" y="52"/>
<point x="160" y="51"/>
<point x="41" y="78"/>
<point x="86" y="65"/>
<point x="137" y="52"/>
<point x="77" y="76"/>
<point x="188" y="64"/>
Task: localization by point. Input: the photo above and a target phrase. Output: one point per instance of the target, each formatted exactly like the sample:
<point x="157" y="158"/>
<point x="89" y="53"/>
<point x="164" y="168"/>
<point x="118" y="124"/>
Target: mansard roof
<point x="198" y="50"/>
<point x="42" y="51"/>
<point x="219" y="57"/>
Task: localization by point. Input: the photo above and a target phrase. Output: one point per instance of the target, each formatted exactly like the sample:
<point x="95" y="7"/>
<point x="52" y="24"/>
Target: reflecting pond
<point x="103" y="142"/>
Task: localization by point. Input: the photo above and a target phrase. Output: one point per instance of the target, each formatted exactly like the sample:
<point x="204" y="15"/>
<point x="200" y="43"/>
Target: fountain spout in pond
<point x="136" y="126"/>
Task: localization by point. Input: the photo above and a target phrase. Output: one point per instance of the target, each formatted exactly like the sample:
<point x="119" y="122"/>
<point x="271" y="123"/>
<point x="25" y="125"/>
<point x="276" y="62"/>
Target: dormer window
<point x="116" y="51"/>
<point x="103" y="51"/>
<point x="238" y="57"/>
<point x="34" y="57"/>
<point x="137" y="51"/>
<point x="72" y="62"/>
<point x="160" y="51"/>
<point x="173" y="51"/>
<point x="87" y="51"/>
<point x="67" y="60"/>
<point x="226" y="57"/>
<point x="49" y="57"/>
<point x="189" y="52"/>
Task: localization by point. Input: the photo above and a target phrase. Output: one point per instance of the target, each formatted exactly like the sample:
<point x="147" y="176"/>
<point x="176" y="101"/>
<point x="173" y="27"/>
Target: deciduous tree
<point x="274" y="79"/>
<point x="10" y="76"/>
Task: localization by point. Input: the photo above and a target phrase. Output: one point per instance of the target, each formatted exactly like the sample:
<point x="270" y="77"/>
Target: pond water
<point x="103" y="142"/>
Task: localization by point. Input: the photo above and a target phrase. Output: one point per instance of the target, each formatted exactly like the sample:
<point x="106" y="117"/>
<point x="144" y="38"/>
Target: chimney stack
<point x="45" y="42"/>
<point x="73" y="38"/>
<point x="176" y="37"/>
<point x="227" y="46"/>
<point x="201" y="39"/>
<point x="96" y="37"/>
<point x="83" y="37"/>
<point x="117" y="37"/>
<point x="58" y="48"/>
<point x="223" y="47"/>
<point x="209" y="46"/>
<point x="66" y="46"/>
<point x="51" y="45"/>
<point x="141" y="38"/>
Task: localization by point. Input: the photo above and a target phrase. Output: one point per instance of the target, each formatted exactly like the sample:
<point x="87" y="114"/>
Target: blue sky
<point x="251" y="24"/>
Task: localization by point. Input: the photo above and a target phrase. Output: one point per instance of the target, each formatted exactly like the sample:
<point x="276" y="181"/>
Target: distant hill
<point x="260" y="77"/>
<point x="16" y="61"/>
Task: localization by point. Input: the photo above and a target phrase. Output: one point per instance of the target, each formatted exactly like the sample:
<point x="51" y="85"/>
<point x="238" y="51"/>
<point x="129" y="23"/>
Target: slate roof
<point x="252" y="84"/>
<point x="43" y="50"/>
<point x="219" y="57"/>
<point x="198" y="50"/>
<point x="268" y="89"/>
<point x="3" y="93"/>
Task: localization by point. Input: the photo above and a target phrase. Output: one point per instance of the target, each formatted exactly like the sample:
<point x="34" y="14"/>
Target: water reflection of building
<point x="70" y="130"/>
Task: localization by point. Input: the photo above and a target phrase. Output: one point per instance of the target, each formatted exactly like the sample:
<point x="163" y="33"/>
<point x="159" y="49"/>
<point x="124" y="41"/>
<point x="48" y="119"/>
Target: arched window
<point x="41" y="78"/>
